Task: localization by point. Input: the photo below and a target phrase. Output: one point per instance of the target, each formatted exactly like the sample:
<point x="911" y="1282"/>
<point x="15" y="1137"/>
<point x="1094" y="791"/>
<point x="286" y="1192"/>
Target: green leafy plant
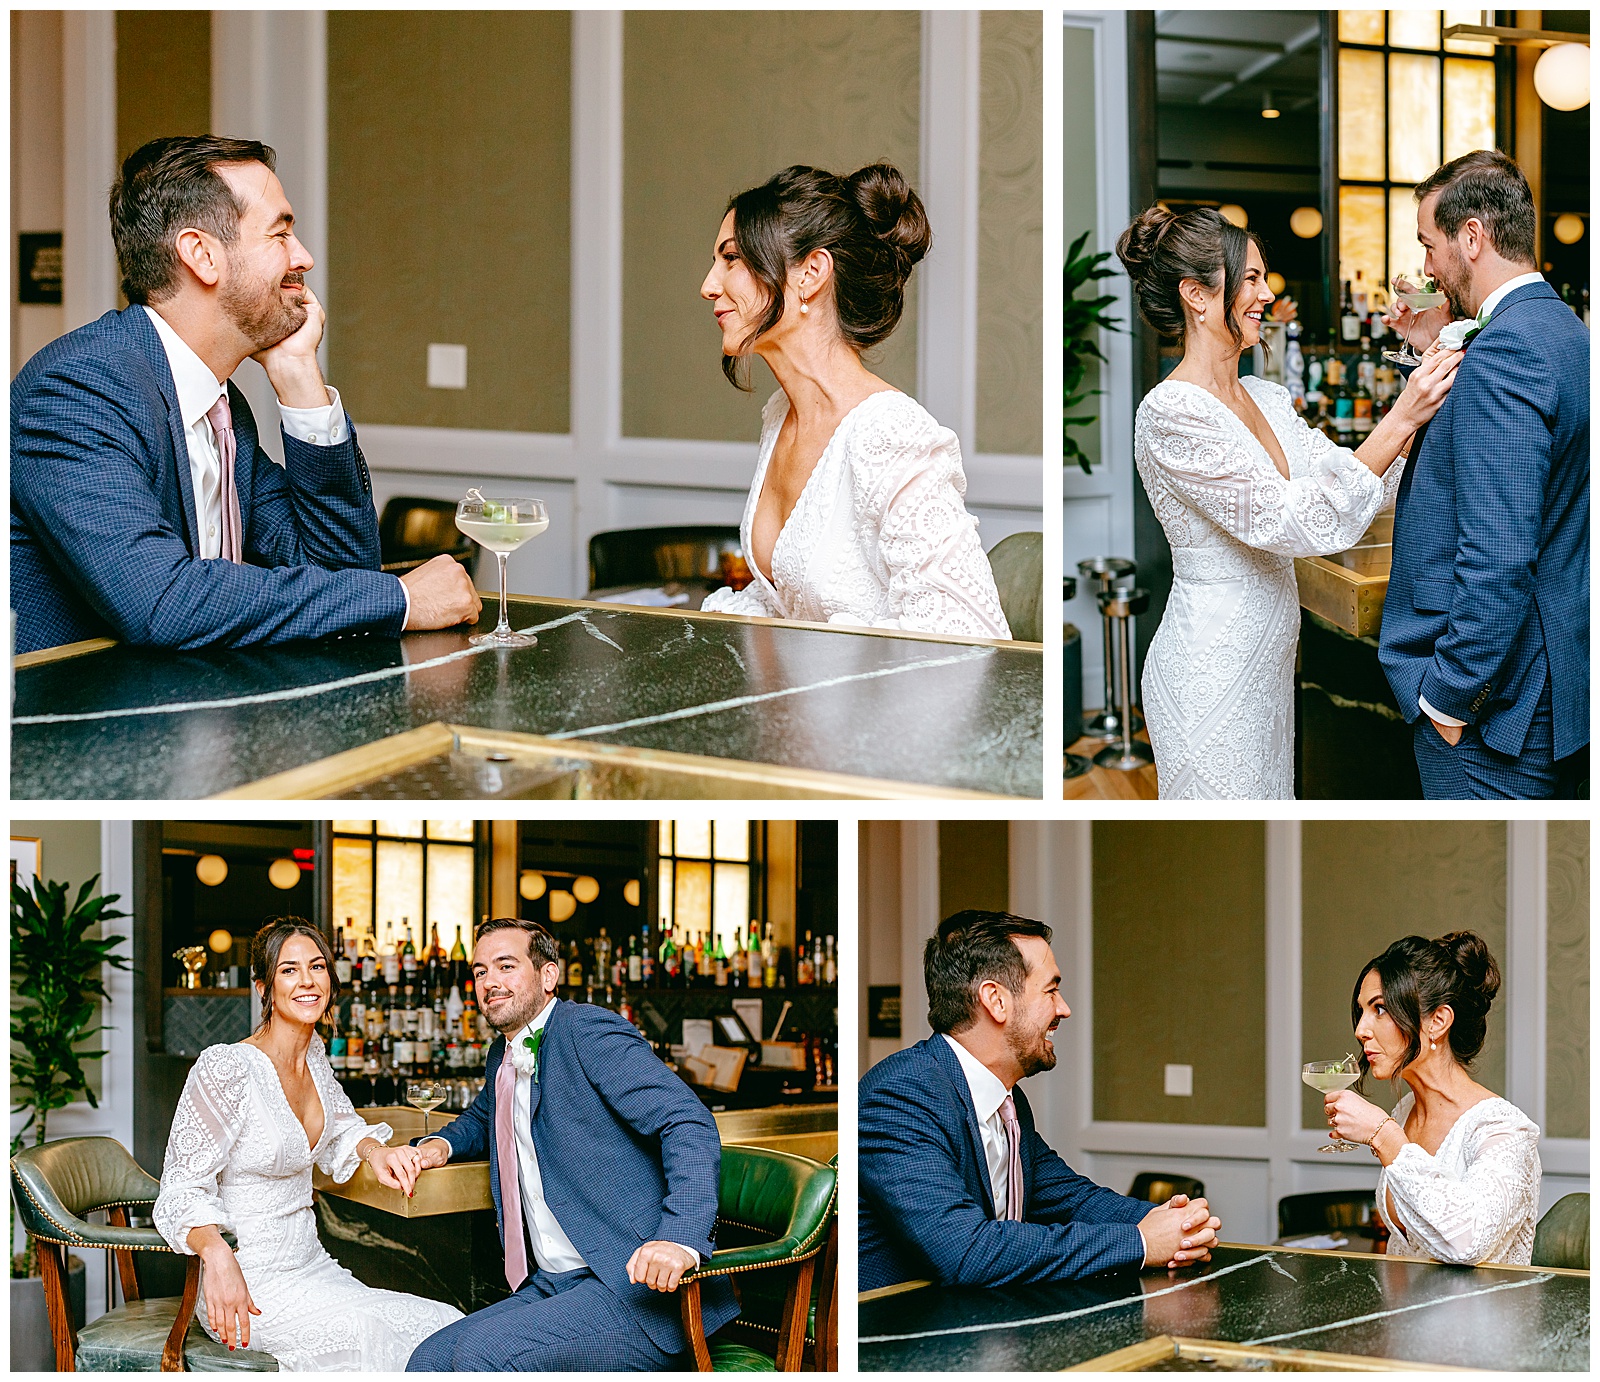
<point x="1081" y="317"/>
<point x="56" y="977"/>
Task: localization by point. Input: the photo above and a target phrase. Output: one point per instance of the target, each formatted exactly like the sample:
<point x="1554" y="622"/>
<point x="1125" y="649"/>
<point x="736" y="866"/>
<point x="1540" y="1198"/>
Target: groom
<point x="1485" y="636"/>
<point x="604" y="1170"/>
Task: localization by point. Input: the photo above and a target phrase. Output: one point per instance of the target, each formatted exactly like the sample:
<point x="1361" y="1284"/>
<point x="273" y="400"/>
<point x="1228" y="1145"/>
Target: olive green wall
<point x="1566" y="1079"/>
<point x="449" y="174"/>
<point x="1365" y="884"/>
<point x="163" y="76"/>
<point x="974" y="866"/>
<point x="1010" y="231"/>
<point x="714" y="103"/>
<point x="1179" y="970"/>
<point x="69" y="852"/>
<point x="1080" y="209"/>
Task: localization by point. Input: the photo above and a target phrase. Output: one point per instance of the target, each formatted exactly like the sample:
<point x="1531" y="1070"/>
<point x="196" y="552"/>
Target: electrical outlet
<point x="447" y="367"/>
<point x="1180" y="1080"/>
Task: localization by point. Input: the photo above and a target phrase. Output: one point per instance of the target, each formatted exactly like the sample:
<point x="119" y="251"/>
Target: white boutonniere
<point x="1455" y="335"/>
<point x="524" y="1054"/>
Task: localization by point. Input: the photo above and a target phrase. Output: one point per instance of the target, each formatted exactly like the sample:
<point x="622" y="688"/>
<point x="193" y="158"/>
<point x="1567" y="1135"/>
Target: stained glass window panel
<point x="664" y="837"/>
<point x="1413" y="116"/>
<point x="664" y="895"/>
<point x="399" y="887"/>
<point x="1405" y="253"/>
<point x="449" y="892"/>
<point x="1360" y="114"/>
<point x="733" y="900"/>
<point x="1361" y="224"/>
<point x="405" y="830"/>
<point x="352" y="885"/>
<point x="450" y="830"/>
<point x="1414" y="29"/>
<point x="1468" y="106"/>
<point x="694" y="839"/>
<point x="692" y="895"/>
<point x="1467" y="45"/>
<point x="733" y="840"/>
<point x="353" y="827"/>
<point x="1360" y="26"/>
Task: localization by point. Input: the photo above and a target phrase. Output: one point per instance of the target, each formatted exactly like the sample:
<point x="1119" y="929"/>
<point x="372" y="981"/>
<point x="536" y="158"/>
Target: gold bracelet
<point x="1373" y="1140"/>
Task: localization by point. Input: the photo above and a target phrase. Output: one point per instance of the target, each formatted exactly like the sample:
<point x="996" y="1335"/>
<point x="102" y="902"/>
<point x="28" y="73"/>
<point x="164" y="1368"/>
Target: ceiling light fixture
<point x="1269" y="109"/>
<point x="1306" y="222"/>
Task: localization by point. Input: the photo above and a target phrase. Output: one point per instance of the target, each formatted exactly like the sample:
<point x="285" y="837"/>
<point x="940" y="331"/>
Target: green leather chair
<point x="1018" y="565"/>
<point x="761" y="1300"/>
<point x="55" y="1187"/>
<point x="1562" y="1238"/>
<point x="784" y="1204"/>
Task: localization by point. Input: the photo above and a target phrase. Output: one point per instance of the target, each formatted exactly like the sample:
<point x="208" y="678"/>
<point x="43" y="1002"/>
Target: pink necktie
<point x="505" y="1142"/>
<point x="221" y="419"/>
<point x="1008" y="1117"/>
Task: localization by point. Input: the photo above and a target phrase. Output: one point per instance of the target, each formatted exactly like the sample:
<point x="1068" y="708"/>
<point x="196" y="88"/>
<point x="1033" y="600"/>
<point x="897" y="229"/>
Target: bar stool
<point x="1122" y="605"/>
<point x="1076" y="765"/>
<point x="1105" y="571"/>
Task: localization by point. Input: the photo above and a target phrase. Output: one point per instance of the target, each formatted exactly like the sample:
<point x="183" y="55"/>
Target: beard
<point x="1032" y="1049"/>
<point x="260" y="311"/>
<point x="1455" y="283"/>
<point x="518" y="1013"/>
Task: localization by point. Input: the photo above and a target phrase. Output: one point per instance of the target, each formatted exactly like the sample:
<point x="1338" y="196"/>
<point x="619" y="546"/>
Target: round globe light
<point x="630" y="892"/>
<point x="283" y="873"/>
<point x="220" y="941"/>
<point x="562" y="904"/>
<point x="1568" y="228"/>
<point x="585" y="889"/>
<point x="211" y="869"/>
<point x="1561" y="76"/>
<point x="1306" y="222"/>
<point x="531" y="885"/>
<point x="1234" y="214"/>
<point x="1275" y="281"/>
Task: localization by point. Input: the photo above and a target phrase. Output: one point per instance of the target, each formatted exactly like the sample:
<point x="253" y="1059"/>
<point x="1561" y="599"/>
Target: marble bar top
<point x="1353" y="1304"/>
<point x="936" y="714"/>
<point x="461" y="1187"/>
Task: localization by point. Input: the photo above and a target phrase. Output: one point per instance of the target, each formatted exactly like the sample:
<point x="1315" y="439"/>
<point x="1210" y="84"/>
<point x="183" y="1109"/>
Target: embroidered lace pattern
<point x="880" y="535"/>
<point x="1218" y="681"/>
<point x="1474" y="1200"/>
<point x="237" y="1157"/>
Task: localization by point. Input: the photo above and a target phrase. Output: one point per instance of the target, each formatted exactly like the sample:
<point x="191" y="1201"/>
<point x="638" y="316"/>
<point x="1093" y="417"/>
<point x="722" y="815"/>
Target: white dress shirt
<point x="988" y="1093"/>
<point x="1487" y="309"/>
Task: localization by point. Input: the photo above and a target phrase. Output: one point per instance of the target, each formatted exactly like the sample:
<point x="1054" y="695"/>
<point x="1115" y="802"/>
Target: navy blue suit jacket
<point x="103" y="533"/>
<point x="927" y="1208"/>
<point x="1489" y="594"/>
<point x="627" y="1156"/>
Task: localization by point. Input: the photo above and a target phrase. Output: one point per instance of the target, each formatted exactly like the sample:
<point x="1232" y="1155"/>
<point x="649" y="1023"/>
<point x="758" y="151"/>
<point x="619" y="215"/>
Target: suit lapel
<point x="946" y="1060"/>
<point x="244" y="440"/>
<point x="149" y="343"/>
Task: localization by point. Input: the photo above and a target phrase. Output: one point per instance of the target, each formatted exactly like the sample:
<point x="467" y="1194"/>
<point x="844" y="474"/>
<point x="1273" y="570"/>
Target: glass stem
<point x="504" y="626"/>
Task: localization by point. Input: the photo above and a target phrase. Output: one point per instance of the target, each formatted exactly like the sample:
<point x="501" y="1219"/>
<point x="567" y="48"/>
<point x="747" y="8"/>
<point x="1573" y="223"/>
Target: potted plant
<point x="56" y="968"/>
<point x="1082" y="316"/>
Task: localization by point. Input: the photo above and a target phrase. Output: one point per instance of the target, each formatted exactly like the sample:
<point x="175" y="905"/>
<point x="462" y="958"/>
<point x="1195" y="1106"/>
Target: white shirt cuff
<point x="405" y="590"/>
<point x="692" y="1253"/>
<point x="318" y="426"/>
<point x="1436" y="716"/>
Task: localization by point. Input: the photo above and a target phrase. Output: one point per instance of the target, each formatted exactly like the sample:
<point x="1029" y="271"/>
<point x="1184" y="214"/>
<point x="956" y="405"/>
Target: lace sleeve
<point x="1317" y="448"/>
<point x="208" y="1121"/>
<point x="1214" y="463"/>
<point x="907" y="482"/>
<point x="346" y="1127"/>
<point x="1464" y="1220"/>
<point x="751" y="600"/>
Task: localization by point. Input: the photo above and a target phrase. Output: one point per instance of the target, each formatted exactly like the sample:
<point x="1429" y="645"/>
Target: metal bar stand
<point x="1121" y="606"/>
<point x="1106" y="572"/>
<point x="1074" y="764"/>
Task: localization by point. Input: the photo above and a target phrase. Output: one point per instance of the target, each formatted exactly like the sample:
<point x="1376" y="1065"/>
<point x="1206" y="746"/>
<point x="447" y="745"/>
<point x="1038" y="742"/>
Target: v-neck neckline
<point x="805" y="489"/>
<point x="1287" y="472"/>
<point x="277" y="1079"/>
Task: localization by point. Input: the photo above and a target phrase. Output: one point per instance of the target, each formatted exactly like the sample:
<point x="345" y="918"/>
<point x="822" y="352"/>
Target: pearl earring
<point x="1202" y="316"/>
<point x="1433" y="1045"/>
<point x="803" y="308"/>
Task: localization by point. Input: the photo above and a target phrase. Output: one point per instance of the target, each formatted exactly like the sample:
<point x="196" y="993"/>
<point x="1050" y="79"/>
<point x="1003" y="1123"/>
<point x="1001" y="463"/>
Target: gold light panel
<point x="1413" y="116"/>
<point x="1360" y="114"/>
<point x="1468" y="106"/>
<point x="1361" y="226"/>
<point x="1360" y="26"/>
<point x="1414" y="29"/>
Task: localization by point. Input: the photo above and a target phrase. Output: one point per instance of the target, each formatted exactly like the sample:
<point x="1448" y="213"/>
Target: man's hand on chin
<point x="292" y="366"/>
<point x="660" y="1266"/>
<point x="1451" y="734"/>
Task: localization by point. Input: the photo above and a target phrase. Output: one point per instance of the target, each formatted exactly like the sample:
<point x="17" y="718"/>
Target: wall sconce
<point x="211" y="869"/>
<point x="1234" y="214"/>
<point x="1306" y="222"/>
<point x="562" y="904"/>
<point x="220" y="941"/>
<point x="1561" y="76"/>
<point x="531" y="885"/>
<point x="585" y="889"/>
<point x="283" y="873"/>
<point x="630" y="892"/>
<point x="1568" y="228"/>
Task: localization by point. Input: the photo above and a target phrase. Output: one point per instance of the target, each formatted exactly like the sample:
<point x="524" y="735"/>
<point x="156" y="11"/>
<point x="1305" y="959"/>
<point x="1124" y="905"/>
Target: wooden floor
<point x="1109" y="784"/>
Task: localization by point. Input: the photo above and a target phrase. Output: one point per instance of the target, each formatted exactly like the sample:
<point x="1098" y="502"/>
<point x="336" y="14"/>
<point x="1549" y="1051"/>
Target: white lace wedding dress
<point x="1474" y="1200"/>
<point x="880" y="535"/>
<point x="1218" y="679"/>
<point x="237" y="1157"/>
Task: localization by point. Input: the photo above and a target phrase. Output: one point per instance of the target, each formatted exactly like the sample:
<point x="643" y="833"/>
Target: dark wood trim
<point x="117" y="1216"/>
<point x="1328" y="139"/>
<point x="59" y="1308"/>
<point x="825" y="1357"/>
<point x="796" y="1306"/>
<point x="694" y="1325"/>
<point x="172" y="1352"/>
<point x="149" y="906"/>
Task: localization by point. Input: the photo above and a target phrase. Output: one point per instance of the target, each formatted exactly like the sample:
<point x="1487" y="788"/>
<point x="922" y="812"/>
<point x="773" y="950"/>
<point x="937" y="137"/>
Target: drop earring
<point x="1202" y="316"/>
<point x="803" y="308"/>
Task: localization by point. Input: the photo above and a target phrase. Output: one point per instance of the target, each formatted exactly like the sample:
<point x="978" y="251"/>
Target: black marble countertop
<point x="139" y="723"/>
<point x="1500" y="1318"/>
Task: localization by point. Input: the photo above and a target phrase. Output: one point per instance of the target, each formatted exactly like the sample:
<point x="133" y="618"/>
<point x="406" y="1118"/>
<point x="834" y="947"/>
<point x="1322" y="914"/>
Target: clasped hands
<point x="1179" y="1232"/>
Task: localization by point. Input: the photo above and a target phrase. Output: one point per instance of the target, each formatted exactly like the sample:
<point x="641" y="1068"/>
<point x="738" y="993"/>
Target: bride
<point x="1460" y="1179"/>
<point x="1242" y="485"/>
<point x="254" y="1117"/>
<point x="856" y="514"/>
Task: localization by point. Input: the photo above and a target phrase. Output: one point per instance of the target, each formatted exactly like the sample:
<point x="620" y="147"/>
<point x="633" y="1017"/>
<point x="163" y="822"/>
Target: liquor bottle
<point x="355" y="1049"/>
<point x="396" y="1013"/>
<point x="1344" y="407"/>
<point x="647" y="958"/>
<point x="719" y="966"/>
<point x="409" y="1015"/>
<point x="435" y="950"/>
<point x="669" y="962"/>
<point x="1315" y="401"/>
<point x="358" y="1006"/>
<point x="1359" y="297"/>
<point x="369" y="962"/>
<point x="830" y="965"/>
<point x="341" y="961"/>
<point x="704" y="967"/>
<point x="804" y="971"/>
<point x="458" y="952"/>
<point x="769" y="961"/>
<point x="453" y="1007"/>
<point x="1294" y="367"/>
<point x="1361" y="394"/>
<point x="574" y="966"/>
<point x="618" y="974"/>
<point x="600" y="969"/>
<point x="752" y="955"/>
<point x="635" y="965"/>
<point x="1380" y="305"/>
<point x="391" y="956"/>
<point x="376" y="1022"/>
<point x="737" y="973"/>
<point x="335" y="1041"/>
<point x="1349" y="323"/>
<point x="469" y="1015"/>
<point x="408" y="951"/>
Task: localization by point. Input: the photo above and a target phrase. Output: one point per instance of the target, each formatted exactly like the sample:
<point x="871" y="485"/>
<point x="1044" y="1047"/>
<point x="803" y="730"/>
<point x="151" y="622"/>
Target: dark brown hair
<point x="969" y="948"/>
<point x="1161" y="248"/>
<point x="1419" y="976"/>
<point x="543" y="948"/>
<point x="871" y="222"/>
<point x="165" y="186"/>
<point x="265" y="947"/>
<point x="1488" y="185"/>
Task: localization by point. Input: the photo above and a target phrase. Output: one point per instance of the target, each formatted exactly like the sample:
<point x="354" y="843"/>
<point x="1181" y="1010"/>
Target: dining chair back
<point x="1018" y="565"/>
<point x="1562" y="1238"/>
<point x="412" y="530"/>
<point x="626" y="557"/>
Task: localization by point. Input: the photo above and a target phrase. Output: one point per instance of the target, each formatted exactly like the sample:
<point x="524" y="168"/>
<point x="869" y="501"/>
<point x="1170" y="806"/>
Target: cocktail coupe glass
<point x="1325" y="1076"/>
<point x="501" y="525"/>
<point x="426" y="1095"/>
<point x="1418" y="300"/>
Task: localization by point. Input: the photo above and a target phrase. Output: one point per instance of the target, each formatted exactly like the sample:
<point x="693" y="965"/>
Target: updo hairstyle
<point x="1161" y="248"/>
<point x="1419" y="976"/>
<point x="268" y="943"/>
<point x="871" y="222"/>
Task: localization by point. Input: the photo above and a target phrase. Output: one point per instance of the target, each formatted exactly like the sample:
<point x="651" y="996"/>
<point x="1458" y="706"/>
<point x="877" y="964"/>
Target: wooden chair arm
<point x="694" y="1325"/>
<point x="172" y="1353"/>
<point x="63" y="1332"/>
